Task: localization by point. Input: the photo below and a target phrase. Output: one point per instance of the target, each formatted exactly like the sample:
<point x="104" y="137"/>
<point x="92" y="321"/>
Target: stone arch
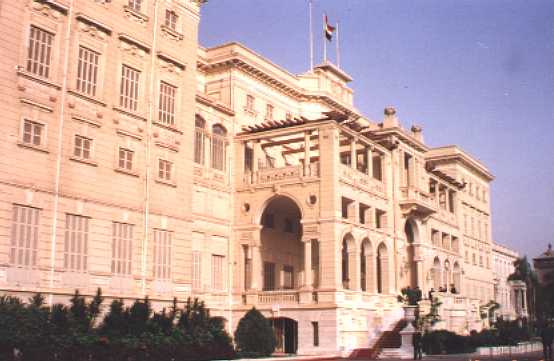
<point x="367" y="266"/>
<point x="383" y="274"/>
<point x="437" y="271"/>
<point x="446" y="273"/>
<point x="457" y="277"/>
<point x="348" y="261"/>
<point x="411" y="232"/>
<point x="282" y="253"/>
<point x="258" y="217"/>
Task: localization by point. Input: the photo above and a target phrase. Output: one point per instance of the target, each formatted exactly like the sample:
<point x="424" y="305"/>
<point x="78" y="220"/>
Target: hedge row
<point x="32" y="331"/>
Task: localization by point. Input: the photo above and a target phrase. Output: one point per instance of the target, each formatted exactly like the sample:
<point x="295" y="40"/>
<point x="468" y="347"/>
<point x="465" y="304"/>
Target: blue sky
<point x="477" y="73"/>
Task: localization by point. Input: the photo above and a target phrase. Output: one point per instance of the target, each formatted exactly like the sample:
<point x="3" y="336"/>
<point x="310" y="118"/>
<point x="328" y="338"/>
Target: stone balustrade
<point x="278" y="297"/>
<point x="361" y="179"/>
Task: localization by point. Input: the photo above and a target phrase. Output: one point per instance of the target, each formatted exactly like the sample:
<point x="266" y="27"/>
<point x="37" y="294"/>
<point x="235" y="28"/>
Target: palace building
<point x="137" y="161"/>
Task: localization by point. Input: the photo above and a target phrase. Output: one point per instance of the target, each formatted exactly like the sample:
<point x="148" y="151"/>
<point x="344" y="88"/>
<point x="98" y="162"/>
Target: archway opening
<point x="382" y="269"/>
<point x="348" y="265"/>
<point x="457" y="278"/>
<point x="436" y="274"/>
<point x="282" y="249"/>
<point x="367" y="267"/>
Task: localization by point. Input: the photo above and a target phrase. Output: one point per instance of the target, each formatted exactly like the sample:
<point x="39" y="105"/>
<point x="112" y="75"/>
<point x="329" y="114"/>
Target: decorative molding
<point x="135" y="15"/>
<point x="49" y="8"/>
<point x="36" y="104"/>
<point x="130" y="43"/>
<point x="85" y="19"/>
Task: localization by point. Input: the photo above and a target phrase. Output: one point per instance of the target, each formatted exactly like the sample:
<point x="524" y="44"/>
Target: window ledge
<point x="130" y="113"/>
<point x="84" y="161"/>
<point x="84" y="96"/>
<point x="40" y="148"/>
<point x="44" y="81"/>
<point x="127" y="171"/>
<point x="137" y="15"/>
<point x="174" y="34"/>
<point x="172" y="128"/>
<point x="250" y="111"/>
<point x="166" y="182"/>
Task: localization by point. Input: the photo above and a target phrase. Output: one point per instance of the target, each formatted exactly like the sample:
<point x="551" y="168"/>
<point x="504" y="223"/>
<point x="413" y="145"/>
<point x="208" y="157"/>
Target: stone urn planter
<point x="409" y="313"/>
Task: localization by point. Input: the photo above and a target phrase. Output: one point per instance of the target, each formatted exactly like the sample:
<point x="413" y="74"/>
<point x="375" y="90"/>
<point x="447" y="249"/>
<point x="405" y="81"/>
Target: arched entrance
<point x="286" y="334"/>
<point x="447" y="275"/>
<point x="382" y="269"/>
<point x="411" y="231"/>
<point x="282" y="251"/>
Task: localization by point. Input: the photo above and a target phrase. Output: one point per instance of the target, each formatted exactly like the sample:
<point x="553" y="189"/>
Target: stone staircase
<point x="387" y="343"/>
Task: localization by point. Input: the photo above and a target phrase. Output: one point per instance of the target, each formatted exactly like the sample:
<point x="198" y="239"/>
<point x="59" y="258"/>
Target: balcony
<point x="358" y="178"/>
<point x="278" y="297"/>
<point x="281" y="174"/>
<point x="413" y="200"/>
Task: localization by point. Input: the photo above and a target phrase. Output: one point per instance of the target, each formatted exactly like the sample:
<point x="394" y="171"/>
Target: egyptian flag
<point x="328" y="29"/>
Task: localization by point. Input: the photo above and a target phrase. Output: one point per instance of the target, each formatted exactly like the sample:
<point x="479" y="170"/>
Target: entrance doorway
<point x="286" y="334"/>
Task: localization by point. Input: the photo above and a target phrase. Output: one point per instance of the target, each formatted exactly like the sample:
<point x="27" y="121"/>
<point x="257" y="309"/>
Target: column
<point x="207" y="151"/>
<point x="257" y="268"/>
<point x="307" y="153"/>
<point x="255" y="156"/>
<point x="353" y="157"/>
<point x="308" y="279"/>
<point x="369" y="157"/>
<point x="419" y="270"/>
<point x="356" y="274"/>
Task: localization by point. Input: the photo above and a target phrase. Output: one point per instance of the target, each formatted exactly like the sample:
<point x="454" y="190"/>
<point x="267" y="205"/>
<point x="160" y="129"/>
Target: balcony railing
<point x="271" y="175"/>
<point x="278" y="297"/>
<point x="359" y="178"/>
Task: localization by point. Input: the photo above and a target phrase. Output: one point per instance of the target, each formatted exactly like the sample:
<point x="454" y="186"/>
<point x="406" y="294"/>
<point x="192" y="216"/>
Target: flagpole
<point x="324" y="42"/>
<point x="311" y="36"/>
<point x="338" y="46"/>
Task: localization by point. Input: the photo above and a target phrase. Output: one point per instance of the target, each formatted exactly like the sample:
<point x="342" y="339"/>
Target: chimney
<point x="417" y="132"/>
<point x="390" y="120"/>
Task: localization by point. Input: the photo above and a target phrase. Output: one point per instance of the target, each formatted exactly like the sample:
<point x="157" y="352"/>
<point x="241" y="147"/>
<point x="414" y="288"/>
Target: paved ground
<point x="467" y="357"/>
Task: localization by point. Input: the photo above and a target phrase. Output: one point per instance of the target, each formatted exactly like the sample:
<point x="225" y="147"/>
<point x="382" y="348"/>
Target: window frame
<point x="167" y="118"/>
<point x="16" y="251"/>
<point x="119" y="262"/>
<point x="51" y="52"/>
<point x="83" y="236"/>
<point x="171" y="172"/>
<point x="80" y="156"/>
<point x="96" y="85"/>
<point x="125" y="102"/>
<point x="171" y="20"/>
<point x="43" y="137"/>
<point x="162" y="264"/>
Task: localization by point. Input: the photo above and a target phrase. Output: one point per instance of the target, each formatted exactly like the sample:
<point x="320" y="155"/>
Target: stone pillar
<point x="257" y="268"/>
<point x="419" y="270"/>
<point x="353" y="157"/>
<point x="369" y="157"/>
<point x="307" y="153"/>
<point x="256" y="150"/>
<point x="207" y="151"/>
<point x="353" y="269"/>
<point x="308" y="279"/>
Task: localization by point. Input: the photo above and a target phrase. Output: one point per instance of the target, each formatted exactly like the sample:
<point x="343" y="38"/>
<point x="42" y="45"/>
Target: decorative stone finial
<point x="390" y="110"/>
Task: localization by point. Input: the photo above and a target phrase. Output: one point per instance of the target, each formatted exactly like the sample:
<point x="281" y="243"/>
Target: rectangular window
<point x="380" y="219"/>
<point x="129" y="90"/>
<point x="83" y="147"/>
<point x="39" y="54"/>
<point x="199" y="139"/>
<point x="24" y="236"/>
<point x="269" y="276"/>
<point x="167" y="104"/>
<point x="122" y="248"/>
<point x="196" y="264"/>
<point x="162" y="254"/>
<point x="217" y="272"/>
<point x="269" y="112"/>
<point x="76" y="243"/>
<point x="249" y="103"/>
<point x="377" y="168"/>
<point x="136" y="5"/>
<point x="171" y="19"/>
<point x="288" y="277"/>
<point x="247" y="269"/>
<point x="87" y="71"/>
<point x="315" y="327"/>
<point x="165" y="169"/>
<point x="33" y="133"/>
<point x="218" y="152"/>
<point x="125" y="160"/>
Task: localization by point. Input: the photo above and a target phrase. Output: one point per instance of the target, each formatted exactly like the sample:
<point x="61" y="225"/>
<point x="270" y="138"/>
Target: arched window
<point x="367" y="267"/>
<point x="382" y="269"/>
<point x="199" y="136"/>
<point x="344" y="253"/>
<point x="218" y="147"/>
<point x="436" y="274"/>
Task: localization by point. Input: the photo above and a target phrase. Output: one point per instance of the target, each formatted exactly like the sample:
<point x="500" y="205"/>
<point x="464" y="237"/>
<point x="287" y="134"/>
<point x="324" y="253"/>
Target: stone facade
<point x="504" y="291"/>
<point x="139" y="162"/>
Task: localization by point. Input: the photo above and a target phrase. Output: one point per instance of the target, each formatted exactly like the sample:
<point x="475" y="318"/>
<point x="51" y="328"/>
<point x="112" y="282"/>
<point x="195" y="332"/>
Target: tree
<point x="524" y="272"/>
<point x="254" y="334"/>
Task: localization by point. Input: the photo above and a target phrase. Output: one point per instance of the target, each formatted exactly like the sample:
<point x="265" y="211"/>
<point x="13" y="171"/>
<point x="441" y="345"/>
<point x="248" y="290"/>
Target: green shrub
<point x="254" y="334"/>
<point x="442" y="342"/>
